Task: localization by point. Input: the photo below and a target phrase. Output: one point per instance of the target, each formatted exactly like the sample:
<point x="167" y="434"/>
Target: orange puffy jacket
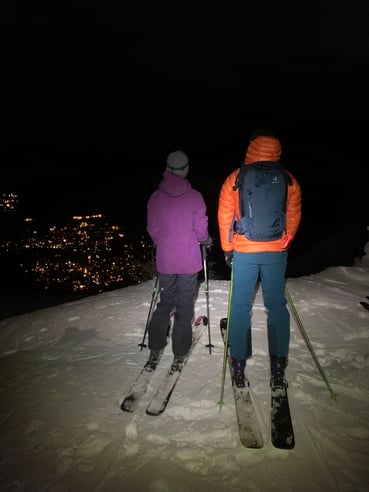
<point x="260" y="149"/>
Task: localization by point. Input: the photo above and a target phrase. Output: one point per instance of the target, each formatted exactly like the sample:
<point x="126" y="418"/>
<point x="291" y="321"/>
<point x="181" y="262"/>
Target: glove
<point x="287" y="240"/>
<point x="228" y="257"/>
<point x="208" y="243"/>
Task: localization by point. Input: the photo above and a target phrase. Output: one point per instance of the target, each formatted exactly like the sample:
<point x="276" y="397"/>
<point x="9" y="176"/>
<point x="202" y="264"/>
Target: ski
<point x="282" y="434"/>
<point x="365" y="304"/>
<point x="160" y="400"/>
<point x="139" y="387"/>
<point x="248" y="425"/>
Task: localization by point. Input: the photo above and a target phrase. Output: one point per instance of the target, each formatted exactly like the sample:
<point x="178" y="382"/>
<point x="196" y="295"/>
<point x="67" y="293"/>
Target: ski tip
<point x="126" y="406"/>
<point x="253" y="445"/>
<point x="154" y="413"/>
<point x="283" y="445"/>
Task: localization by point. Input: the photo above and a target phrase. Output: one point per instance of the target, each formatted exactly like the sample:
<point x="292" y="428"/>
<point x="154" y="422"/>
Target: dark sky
<point x="119" y="85"/>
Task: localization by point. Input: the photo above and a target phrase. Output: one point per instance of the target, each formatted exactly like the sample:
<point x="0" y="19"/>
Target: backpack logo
<point x="262" y="195"/>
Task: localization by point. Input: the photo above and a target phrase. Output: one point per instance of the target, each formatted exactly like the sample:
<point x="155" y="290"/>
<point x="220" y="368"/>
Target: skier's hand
<point x="286" y="242"/>
<point x="228" y="257"/>
<point x="208" y="243"/>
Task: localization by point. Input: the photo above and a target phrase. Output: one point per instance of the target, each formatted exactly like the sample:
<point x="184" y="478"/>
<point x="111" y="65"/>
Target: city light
<point x="84" y="254"/>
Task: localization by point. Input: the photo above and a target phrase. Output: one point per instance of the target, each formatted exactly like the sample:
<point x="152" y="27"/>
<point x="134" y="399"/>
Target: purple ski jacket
<point x="176" y="223"/>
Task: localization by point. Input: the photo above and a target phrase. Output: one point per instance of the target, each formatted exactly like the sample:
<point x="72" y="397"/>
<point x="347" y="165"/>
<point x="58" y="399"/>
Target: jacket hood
<point x="263" y="149"/>
<point x="173" y="184"/>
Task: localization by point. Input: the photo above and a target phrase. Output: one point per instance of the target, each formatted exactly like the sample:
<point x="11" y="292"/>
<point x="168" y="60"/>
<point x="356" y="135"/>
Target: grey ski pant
<point x="177" y="292"/>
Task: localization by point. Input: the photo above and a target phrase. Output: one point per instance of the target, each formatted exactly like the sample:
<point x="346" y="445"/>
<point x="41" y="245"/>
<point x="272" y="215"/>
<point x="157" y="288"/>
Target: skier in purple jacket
<point x="177" y="224"/>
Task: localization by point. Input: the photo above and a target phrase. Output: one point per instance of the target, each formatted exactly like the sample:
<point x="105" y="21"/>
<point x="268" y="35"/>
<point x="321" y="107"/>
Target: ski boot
<point x="153" y="360"/>
<point x="238" y="373"/>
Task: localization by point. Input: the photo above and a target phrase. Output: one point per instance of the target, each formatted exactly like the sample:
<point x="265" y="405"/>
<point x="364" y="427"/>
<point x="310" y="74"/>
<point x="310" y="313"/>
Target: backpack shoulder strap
<point x="288" y="178"/>
<point x="239" y="176"/>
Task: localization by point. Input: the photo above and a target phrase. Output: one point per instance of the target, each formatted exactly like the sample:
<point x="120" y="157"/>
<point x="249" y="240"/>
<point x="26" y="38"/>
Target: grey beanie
<point x="177" y="163"/>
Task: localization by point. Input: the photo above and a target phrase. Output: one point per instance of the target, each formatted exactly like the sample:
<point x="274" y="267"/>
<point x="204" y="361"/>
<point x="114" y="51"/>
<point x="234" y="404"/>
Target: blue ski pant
<point x="179" y="292"/>
<point x="248" y="270"/>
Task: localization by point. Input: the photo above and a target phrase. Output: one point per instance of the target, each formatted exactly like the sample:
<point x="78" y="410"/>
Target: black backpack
<point x="263" y="196"/>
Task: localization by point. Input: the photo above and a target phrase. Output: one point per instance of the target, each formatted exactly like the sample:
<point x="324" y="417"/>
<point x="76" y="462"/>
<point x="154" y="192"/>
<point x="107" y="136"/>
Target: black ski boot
<point x="277" y="368"/>
<point x="153" y="360"/>
<point x="238" y="370"/>
<point x="177" y="363"/>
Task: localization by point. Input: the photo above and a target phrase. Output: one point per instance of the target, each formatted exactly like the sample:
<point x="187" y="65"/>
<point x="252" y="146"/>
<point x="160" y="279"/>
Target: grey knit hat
<point x="177" y="163"/>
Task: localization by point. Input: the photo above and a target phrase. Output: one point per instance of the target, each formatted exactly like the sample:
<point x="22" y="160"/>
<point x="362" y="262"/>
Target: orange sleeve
<point x="293" y="212"/>
<point x="228" y="204"/>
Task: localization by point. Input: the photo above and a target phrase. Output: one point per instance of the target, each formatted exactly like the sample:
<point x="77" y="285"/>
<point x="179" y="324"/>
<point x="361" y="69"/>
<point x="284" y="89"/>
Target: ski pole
<point x="308" y="343"/>
<point x="225" y="354"/>
<point x="204" y="255"/>
<point x="154" y="298"/>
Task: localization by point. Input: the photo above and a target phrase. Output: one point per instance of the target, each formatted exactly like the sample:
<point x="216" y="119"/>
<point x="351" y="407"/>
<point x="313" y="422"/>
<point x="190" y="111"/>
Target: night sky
<point x="118" y="87"/>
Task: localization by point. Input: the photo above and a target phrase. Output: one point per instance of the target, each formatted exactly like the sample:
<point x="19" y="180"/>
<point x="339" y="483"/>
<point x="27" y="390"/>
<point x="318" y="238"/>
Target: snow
<point x="66" y="369"/>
